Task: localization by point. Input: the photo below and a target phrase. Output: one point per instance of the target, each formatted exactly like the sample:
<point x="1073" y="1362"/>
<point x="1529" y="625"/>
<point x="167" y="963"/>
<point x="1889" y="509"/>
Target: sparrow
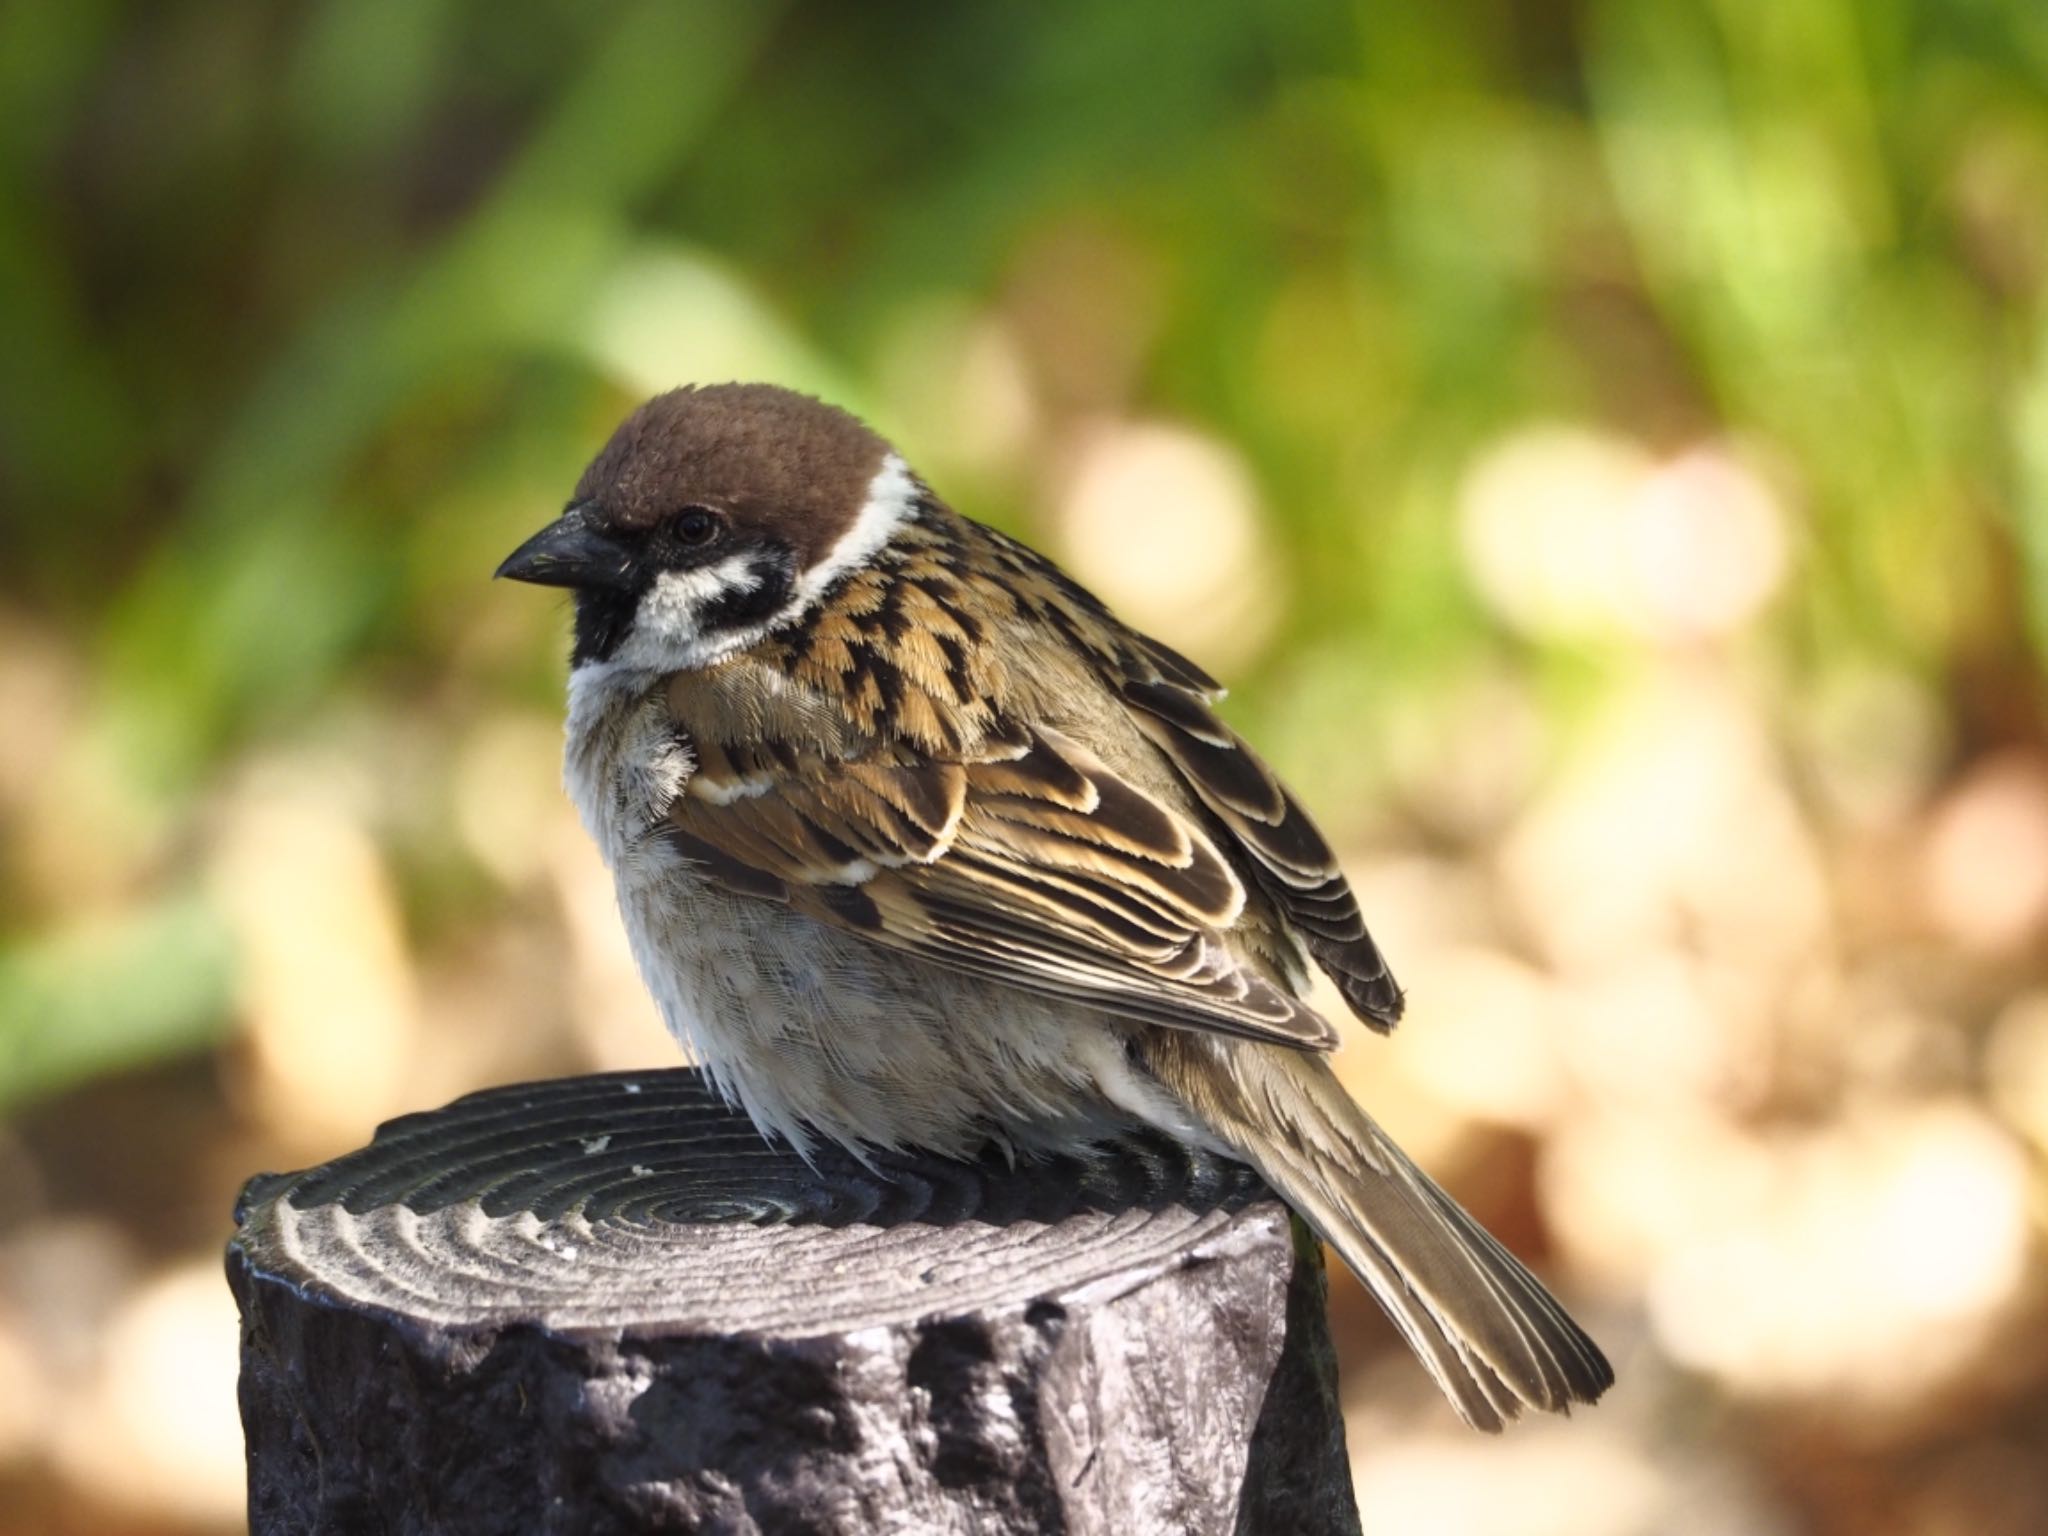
<point x="918" y="846"/>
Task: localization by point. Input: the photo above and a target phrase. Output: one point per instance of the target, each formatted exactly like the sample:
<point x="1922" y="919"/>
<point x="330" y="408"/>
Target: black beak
<point x="569" y="552"/>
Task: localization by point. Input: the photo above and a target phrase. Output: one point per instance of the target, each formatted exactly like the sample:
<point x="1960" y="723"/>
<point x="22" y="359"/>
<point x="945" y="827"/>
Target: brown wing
<point x="1170" y="698"/>
<point x="1023" y="859"/>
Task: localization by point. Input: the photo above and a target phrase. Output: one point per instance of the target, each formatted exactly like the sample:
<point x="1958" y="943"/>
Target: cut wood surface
<point x="606" y="1304"/>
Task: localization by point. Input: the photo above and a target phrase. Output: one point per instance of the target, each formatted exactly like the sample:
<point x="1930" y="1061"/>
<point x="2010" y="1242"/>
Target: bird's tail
<point x="1495" y="1340"/>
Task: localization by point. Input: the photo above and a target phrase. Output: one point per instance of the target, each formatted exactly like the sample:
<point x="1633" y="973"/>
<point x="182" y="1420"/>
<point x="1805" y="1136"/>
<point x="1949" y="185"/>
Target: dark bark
<point x="606" y="1305"/>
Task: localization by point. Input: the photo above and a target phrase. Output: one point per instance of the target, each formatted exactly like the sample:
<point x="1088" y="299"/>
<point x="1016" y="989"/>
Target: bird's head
<point x="713" y="517"/>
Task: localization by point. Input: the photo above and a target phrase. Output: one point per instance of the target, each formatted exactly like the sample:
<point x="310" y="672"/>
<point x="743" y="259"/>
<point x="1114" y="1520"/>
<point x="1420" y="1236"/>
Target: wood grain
<point x="606" y="1304"/>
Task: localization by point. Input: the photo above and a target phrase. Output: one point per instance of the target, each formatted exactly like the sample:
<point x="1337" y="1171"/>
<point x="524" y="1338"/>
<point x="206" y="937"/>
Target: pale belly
<point x="813" y="1030"/>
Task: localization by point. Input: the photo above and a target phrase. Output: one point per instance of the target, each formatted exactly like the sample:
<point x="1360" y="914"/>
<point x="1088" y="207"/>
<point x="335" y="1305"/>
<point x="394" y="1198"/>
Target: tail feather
<point x="1485" y="1328"/>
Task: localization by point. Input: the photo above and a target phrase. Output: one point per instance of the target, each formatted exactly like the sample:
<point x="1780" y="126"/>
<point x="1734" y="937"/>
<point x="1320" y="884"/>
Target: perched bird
<point x="918" y="846"/>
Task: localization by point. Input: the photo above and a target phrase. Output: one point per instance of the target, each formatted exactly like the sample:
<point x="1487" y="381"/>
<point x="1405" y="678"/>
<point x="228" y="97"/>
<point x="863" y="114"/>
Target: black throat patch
<point x="603" y="616"/>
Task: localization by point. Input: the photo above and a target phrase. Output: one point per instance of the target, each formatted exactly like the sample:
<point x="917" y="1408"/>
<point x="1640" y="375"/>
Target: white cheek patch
<point x="672" y="609"/>
<point x="668" y="633"/>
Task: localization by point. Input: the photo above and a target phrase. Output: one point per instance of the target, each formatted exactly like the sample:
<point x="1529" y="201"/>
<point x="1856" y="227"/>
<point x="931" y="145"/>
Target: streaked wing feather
<point x="1197" y="983"/>
<point x="1030" y="863"/>
<point x="1289" y="858"/>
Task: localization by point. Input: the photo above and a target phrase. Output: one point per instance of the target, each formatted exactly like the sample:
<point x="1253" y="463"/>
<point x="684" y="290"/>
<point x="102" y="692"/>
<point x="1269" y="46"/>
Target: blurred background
<point x="1604" y="446"/>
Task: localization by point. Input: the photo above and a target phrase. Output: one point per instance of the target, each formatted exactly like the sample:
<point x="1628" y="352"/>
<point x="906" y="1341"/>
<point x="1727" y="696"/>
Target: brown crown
<point x="767" y="457"/>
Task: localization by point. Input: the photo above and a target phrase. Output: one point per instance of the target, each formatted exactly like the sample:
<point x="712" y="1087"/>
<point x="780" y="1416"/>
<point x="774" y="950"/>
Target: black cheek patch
<point x="773" y="568"/>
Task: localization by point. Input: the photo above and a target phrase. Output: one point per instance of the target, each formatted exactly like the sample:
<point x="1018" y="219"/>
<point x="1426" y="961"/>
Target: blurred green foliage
<point x="311" y="310"/>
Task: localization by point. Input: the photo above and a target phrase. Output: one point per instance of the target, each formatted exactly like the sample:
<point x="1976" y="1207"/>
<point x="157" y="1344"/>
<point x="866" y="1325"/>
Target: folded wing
<point x="1025" y="860"/>
<point x="1292" y="863"/>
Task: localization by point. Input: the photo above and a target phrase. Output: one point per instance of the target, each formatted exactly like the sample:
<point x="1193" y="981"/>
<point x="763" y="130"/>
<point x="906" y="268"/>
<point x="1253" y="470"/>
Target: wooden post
<point x="605" y="1304"/>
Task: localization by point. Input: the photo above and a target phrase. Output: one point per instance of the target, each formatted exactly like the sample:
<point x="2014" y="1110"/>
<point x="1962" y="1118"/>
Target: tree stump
<point x="605" y="1304"/>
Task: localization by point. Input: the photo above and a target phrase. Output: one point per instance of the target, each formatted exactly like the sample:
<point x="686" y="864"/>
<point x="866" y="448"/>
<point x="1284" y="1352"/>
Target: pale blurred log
<point x="604" y="1304"/>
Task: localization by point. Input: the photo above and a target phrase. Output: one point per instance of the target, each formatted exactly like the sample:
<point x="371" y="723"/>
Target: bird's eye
<point x="697" y="526"/>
